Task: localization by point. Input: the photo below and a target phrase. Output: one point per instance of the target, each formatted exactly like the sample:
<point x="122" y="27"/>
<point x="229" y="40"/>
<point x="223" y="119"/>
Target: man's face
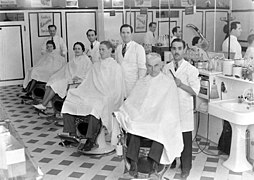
<point x="153" y="28"/>
<point x="52" y="31"/>
<point x="153" y="67"/>
<point x="177" y="50"/>
<point x="178" y="33"/>
<point x="91" y="36"/>
<point x="237" y="32"/>
<point x="126" y="34"/>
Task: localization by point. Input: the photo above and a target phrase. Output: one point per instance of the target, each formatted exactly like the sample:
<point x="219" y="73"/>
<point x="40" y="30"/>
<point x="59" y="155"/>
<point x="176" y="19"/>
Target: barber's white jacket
<point x="93" y="54"/>
<point x="234" y="46"/>
<point x="134" y="59"/>
<point x="61" y="48"/>
<point x="150" y="38"/>
<point x="188" y="74"/>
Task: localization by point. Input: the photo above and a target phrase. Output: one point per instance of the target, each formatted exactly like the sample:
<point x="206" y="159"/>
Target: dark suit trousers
<point x="186" y="155"/>
<point x="133" y="146"/>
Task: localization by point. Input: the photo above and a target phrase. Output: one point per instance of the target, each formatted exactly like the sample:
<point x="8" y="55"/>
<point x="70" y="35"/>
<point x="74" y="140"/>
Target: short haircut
<point x="81" y="44"/>
<point x="153" y="55"/>
<point x="178" y="40"/>
<point x="174" y="30"/>
<point x="195" y="40"/>
<point x="108" y="44"/>
<point x="126" y="25"/>
<point x="233" y="25"/>
<point x="152" y="23"/>
<point x="250" y="38"/>
<point x="91" y="30"/>
<point x="51" y="42"/>
<point x="52" y="25"/>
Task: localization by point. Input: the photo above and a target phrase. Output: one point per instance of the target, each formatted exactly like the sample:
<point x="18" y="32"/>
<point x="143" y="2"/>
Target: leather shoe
<point x="173" y="165"/>
<point x="88" y="145"/>
<point x="184" y="174"/>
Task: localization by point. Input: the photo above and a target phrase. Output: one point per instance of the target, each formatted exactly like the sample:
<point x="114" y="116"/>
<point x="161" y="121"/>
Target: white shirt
<point x="188" y="74"/>
<point x="60" y="45"/>
<point x="249" y="53"/>
<point x="234" y="46"/>
<point x="93" y="54"/>
<point x="150" y="38"/>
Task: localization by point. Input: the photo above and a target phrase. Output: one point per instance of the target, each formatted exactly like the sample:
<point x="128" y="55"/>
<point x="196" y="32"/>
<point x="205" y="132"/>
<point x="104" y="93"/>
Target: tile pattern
<point x="40" y="138"/>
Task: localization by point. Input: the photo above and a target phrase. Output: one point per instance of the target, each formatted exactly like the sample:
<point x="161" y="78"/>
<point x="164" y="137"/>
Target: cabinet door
<point x="11" y="53"/>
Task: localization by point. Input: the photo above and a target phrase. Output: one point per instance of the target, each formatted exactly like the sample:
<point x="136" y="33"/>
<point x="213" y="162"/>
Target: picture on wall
<point x="41" y="3"/>
<point x="140" y="23"/>
<point x="44" y="19"/>
<point x="71" y="3"/>
<point x="117" y="3"/>
<point x="143" y="3"/>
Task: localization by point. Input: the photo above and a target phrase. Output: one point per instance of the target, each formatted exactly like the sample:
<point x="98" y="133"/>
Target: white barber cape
<point x="234" y="47"/>
<point x="49" y="64"/>
<point x="60" y="45"/>
<point x="99" y="94"/>
<point x="152" y="111"/>
<point x="188" y="74"/>
<point x="77" y="67"/>
<point x="94" y="53"/>
<point x="135" y="58"/>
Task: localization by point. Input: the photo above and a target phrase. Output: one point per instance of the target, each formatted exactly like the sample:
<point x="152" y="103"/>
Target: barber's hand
<point x="178" y="82"/>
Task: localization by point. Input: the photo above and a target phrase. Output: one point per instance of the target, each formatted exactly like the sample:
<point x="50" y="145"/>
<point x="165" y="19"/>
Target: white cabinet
<point x="11" y="53"/>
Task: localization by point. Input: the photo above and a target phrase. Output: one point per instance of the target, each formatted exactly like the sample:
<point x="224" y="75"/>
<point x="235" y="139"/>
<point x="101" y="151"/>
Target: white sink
<point x="239" y="116"/>
<point x="232" y="111"/>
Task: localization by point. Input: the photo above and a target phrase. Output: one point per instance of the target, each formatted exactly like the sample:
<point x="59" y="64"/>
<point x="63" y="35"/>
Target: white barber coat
<point x="249" y="53"/>
<point x="134" y="59"/>
<point x="49" y="64"/>
<point x="60" y="45"/>
<point x="94" y="53"/>
<point x="234" y="46"/>
<point x="188" y="74"/>
<point x="77" y="67"/>
<point x="152" y="111"/>
<point x="149" y="38"/>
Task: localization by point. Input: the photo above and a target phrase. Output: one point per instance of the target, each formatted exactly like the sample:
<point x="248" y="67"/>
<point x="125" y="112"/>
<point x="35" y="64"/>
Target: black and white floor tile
<point x="40" y="138"/>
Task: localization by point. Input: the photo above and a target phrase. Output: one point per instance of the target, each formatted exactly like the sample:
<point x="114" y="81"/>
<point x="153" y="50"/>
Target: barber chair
<point x="39" y="90"/>
<point x="102" y="147"/>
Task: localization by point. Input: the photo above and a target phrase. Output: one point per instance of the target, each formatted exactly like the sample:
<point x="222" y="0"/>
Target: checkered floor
<point x="56" y="162"/>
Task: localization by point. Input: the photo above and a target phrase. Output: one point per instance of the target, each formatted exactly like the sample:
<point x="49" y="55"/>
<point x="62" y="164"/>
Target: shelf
<point x="235" y="79"/>
<point x="209" y="73"/>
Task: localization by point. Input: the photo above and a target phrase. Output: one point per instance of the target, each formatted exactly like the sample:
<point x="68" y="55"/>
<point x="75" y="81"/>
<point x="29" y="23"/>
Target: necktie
<point x="52" y="38"/>
<point x="91" y="45"/>
<point x="124" y="49"/>
<point x="176" y="66"/>
<point x="153" y="35"/>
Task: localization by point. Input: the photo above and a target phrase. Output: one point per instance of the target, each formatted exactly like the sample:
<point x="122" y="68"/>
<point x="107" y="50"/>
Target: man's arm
<point x="184" y="87"/>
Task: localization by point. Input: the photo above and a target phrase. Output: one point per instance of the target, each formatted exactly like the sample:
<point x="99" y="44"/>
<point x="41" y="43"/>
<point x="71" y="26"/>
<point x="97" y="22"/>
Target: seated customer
<point x="74" y="71"/>
<point x="249" y="55"/>
<point x="96" y="97"/>
<point x="49" y="64"/>
<point x="152" y="111"/>
<point x="196" y="47"/>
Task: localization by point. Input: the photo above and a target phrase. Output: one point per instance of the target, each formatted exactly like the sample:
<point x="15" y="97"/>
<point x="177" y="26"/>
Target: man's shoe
<point x="184" y="174"/>
<point x="173" y="165"/>
<point x="40" y="107"/>
<point x="88" y="145"/>
<point x="133" y="169"/>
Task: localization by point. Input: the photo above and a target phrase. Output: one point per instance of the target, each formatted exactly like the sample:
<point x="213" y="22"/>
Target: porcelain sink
<point x="232" y="111"/>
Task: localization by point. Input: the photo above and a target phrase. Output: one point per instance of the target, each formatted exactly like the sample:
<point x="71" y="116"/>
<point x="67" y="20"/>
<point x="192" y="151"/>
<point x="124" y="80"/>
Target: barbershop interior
<point x="55" y="126"/>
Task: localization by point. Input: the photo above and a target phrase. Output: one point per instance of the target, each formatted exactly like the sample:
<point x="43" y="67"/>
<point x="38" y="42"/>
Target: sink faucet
<point x="250" y="97"/>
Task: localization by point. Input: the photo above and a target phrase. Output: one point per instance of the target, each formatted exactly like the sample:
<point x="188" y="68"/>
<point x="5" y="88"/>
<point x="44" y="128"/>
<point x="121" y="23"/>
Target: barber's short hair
<point x="250" y="38"/>
<point x="153" y="55"/>
<point x="152" y="23"/>
<point x="233" y="25"/>
<point x="195" y="40"/>
<point x="51" y="42"/>
<point x="179" y="40"/>
<point x="126" y="25"/>
<point x="52" y="25"/>
<point x="174" y="30"/>
<point x="81" y="44"/>
<point x="91" y="30"/>
<point x="108" y="44"/>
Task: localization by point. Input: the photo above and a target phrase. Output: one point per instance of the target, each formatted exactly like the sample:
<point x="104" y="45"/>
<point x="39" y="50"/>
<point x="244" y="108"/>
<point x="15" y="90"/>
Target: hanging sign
<point x="71" y="3"/>
<point x="41" y="3"/>
<point x="143" y="10"/>
<point x="117" y="3"/>
<point x="8" y="2"/>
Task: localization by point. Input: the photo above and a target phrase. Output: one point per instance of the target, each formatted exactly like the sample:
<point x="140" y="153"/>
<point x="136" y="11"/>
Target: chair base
<point x="98" y="150"/>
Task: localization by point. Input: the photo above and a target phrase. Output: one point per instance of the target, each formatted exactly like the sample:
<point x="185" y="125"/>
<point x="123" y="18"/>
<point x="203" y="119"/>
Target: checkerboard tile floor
<point x="40" y="139"/>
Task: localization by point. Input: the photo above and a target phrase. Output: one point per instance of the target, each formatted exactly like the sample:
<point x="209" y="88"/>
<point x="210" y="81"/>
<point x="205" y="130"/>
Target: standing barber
<point x="187" y="81"/>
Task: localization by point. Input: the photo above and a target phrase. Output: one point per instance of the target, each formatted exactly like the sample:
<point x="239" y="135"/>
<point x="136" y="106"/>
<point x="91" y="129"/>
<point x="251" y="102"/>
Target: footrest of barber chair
<point x="97" y="150"/>
<point x="75" y="141"/>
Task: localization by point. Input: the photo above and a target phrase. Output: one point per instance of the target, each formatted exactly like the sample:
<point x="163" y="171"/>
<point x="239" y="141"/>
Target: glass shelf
<point x="235" y="79"/>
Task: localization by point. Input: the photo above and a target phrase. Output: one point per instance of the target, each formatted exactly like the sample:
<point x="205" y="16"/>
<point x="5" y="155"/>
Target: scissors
<point x="172" y="73"/>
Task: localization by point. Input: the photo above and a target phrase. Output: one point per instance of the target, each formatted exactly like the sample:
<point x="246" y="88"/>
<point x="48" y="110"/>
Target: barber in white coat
<point x="187" y="81"/>
<point x="61" y="48"/>
<point x="93" y="47"/>
<point x="132" y="58"/>
<point x="150" y="37"/>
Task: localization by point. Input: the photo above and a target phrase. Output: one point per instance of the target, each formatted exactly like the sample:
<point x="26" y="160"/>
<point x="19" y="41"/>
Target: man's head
<point x="236" y="28"/>
<point x="153" y="64"/>
<point x="91" y="35"/>
<point x="176" y="31"/>
<point x="250" y="40"/>
<point x="152" y="26"/>
<point x="126" y="31"/>
<point x="52" y="30"/>
<point x="178" y="49"/>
